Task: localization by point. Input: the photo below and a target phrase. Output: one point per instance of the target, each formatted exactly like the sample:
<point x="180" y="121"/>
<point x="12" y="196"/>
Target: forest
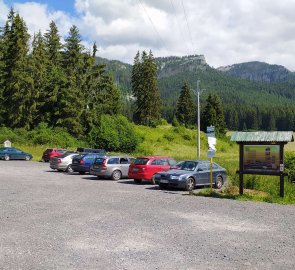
<point x="44" y="80"/>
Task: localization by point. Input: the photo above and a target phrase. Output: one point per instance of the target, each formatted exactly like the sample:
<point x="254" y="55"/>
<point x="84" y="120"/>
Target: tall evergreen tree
<point x="38" y="63"/>
<point x="72" y="99"/>
<point x="213" y="115"/>
<point x="145" y="90"/>
<point x="185" y="109"/>
<point x="56" y="79"/>
<point x="18" y="98"/>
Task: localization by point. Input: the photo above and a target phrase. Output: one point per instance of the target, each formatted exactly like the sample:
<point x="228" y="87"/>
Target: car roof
<point x="149" y="157"/>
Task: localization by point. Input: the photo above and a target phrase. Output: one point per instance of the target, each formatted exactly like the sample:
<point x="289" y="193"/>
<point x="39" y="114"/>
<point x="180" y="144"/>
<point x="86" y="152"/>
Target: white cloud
<point x="225" y="31"/>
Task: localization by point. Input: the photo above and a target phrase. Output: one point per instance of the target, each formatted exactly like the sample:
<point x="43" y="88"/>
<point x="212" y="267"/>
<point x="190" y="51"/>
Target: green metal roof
<point x="263" y="136"/>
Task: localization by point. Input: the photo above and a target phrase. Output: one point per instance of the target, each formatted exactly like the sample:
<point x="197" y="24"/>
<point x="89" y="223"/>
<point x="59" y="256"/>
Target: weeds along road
<point x="53" y="220"/>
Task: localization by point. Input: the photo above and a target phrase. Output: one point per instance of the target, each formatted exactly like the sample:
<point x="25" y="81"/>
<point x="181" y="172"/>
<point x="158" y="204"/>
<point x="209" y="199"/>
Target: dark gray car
<point x="114" y="167"/>
<point x="191" y="173"/>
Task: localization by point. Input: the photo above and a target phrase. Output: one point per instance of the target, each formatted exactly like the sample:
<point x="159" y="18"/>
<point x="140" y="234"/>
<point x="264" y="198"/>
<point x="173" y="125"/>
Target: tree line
<point x="52" y="82"/>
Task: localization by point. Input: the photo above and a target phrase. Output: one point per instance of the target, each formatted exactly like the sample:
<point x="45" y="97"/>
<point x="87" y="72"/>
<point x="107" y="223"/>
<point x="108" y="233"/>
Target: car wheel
<point x="218" y="183"/>
<point x="190" y="184"/>
<point x="137" y="181"/>
<point x="27" y="158"/>
<point x="70" y="169"/>
<point x="153" y="181"/>
<point x="116" y="175"/>
<point x="7" y="158"/>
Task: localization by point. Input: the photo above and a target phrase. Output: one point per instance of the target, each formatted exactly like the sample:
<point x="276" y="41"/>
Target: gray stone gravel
<point x="51" y="220"/>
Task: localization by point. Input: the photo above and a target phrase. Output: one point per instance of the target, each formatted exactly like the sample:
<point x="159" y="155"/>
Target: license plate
<point x="135" y="169"/>
<point x="164" y="181"/>
<point x="75" y="161"/>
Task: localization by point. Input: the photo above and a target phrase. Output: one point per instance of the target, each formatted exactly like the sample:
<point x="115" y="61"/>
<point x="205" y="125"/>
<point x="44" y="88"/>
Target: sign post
<point x="211" y="150"/>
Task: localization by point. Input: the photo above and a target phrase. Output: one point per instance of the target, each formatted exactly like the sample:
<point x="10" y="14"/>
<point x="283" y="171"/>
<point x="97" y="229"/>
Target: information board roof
<point x="263" y="136"/>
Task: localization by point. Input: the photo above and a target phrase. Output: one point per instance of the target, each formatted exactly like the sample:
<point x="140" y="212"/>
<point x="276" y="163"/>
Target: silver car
<point x="114" y="167"/>
<point x="63" y="162"/>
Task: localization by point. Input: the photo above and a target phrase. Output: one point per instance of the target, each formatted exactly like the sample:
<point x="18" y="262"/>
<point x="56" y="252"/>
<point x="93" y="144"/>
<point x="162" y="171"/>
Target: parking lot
<point x="52" y="220"/>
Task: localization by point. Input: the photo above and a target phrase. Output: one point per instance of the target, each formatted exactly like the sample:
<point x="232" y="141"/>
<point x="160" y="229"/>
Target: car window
<point x="163" y="162"/>
<point x="124" y="161"/>
<point x="155" y="162"/>
<point x="203" y="167"/>
<point x="172" y="162"/>
<point x="141" y="161"/>
<point x="215" y="166"/>
<point x="188" y="165"/>
<point x="89" y="157"/>
<point x="113" y="161"/>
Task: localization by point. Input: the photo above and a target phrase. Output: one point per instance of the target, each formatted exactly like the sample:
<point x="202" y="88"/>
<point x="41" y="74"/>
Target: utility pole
<point x="199" y="121"/>
<point x="199" y="91"/>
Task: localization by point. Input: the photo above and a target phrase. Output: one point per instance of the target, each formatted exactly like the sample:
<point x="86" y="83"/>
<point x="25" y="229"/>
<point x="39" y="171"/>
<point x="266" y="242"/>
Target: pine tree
<point x="213" y="115"/>
<point x="18" y="98"/>
<point x="186" y="109"/>
<point x="145" y="90"/>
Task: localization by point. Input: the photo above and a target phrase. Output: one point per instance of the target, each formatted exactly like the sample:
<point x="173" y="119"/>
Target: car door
<point x="203" y="173"/>
<point x="16" y="154"/>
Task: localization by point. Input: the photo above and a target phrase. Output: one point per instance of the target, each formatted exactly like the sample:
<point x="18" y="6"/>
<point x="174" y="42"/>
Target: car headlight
<point x="174" y="177"/>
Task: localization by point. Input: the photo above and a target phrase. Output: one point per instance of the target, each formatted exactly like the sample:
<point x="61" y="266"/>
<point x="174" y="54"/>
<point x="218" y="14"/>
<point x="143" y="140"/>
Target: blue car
<point x="191" y="173"/>
<point x="82" y="163"/>
<point x="8" y="153"/>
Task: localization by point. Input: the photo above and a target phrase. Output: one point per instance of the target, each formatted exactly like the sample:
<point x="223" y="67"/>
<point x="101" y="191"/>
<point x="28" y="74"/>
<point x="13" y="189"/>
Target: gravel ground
<point x="51" y="220"/>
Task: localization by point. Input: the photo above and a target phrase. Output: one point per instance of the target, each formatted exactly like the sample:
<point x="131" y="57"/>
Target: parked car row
<point x="161" y="170"/>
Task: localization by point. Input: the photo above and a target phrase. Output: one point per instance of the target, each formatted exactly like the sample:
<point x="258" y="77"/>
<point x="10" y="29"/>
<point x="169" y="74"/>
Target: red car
<point x="52" y="152"/>
<point x="145" y="167"/>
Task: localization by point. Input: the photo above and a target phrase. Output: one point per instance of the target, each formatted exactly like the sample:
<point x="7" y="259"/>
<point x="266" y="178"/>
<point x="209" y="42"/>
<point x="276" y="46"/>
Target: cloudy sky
<point x="224" y="31"/>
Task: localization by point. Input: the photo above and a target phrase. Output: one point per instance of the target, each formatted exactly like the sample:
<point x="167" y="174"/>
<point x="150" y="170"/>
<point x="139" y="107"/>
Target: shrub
<point x="290" y="165"/>
<point x="114" y="133"/>
<point x="168" y="137"/>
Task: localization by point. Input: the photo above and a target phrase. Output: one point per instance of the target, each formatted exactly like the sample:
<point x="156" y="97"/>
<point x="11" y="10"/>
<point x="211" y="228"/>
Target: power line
<point x="151" y="21"/>
<point x="183" y="38"/>
<point x="189" y="31"/>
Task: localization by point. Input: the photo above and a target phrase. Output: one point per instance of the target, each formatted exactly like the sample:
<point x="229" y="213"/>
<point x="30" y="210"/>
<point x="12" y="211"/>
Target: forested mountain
<point x="258" y="71"/>
<point x="248" y="104"/>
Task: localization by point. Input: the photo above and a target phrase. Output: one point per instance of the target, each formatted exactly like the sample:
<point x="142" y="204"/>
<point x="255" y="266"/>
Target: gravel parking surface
<point x="53" y="220"/>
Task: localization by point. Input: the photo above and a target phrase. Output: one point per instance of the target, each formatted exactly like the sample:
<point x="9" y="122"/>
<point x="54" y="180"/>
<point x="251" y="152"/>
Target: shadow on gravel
<point x="167" y="190"/>
<point x="131" y="182"/>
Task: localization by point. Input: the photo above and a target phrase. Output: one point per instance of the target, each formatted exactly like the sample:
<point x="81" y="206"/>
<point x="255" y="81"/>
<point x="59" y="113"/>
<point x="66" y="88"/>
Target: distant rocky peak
<point x="257" y="71"/>
<point x="172" y="65"/>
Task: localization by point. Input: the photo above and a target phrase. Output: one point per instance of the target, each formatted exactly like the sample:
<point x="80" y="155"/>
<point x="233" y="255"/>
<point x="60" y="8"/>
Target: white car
<point x="63" y="162"/>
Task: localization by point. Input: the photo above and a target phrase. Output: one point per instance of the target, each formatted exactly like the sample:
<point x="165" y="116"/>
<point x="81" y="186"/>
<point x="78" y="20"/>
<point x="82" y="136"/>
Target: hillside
<point x="258" y="71"/>
<point x="265" y="92"/>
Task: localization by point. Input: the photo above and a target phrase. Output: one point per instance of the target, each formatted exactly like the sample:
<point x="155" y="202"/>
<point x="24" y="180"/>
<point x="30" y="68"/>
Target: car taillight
<point x="143" y="169"/>
<point x="82" y="161"/>
<point x="59" y="160"/>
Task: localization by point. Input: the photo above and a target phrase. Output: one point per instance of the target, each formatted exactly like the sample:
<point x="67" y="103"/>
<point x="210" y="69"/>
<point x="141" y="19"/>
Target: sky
<point x="226" y="32"/>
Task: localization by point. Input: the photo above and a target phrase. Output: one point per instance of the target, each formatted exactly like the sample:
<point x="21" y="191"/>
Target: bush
<point x="44" y="135"/>
<point x="114" y="133"/>
<point x="290" y="165"/>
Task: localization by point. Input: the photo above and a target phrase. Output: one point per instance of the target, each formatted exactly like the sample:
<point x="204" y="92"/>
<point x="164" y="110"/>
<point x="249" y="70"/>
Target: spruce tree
<point x="72" y="99"/>
<point x="185" y="109"/>
<point x="145" y="90"/>
<point x="51" y="109"/>
<point x="18" y="97"/>
<point x="38" y="65"/>
<point x="213" y="115"/>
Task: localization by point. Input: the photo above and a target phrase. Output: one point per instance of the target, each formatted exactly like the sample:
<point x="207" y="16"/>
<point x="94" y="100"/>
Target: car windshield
<point x="186" y="165"/>
<point x="141" y="161"/>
